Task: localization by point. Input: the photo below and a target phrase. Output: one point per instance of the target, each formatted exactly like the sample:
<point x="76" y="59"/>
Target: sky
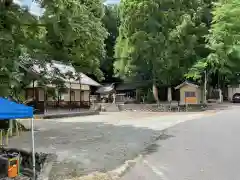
<point x="36" y="10"/>
<point x="112" y="1"/>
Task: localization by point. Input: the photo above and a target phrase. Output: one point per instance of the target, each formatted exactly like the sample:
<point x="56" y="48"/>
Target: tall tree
<point x="18" y="41"/>
<point x="75" y="33"/>
<point x="158" y="39"/>
<point x="223" y="42"/>
<point x="111" y="23"/>
<point x="69" y="31"/>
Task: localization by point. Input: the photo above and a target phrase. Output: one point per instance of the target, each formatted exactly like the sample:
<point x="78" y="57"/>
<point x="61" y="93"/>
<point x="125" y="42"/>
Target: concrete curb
<point x="63" y="115"/>
<point x="111" y="175"/>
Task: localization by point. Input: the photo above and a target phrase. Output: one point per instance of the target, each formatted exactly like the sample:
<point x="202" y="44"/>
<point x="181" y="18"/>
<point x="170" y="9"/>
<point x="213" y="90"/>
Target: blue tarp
<point x="12" y="110"/>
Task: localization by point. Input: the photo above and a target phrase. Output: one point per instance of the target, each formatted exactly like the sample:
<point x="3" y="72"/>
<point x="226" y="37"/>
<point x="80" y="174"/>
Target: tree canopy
<point x="159" y="40"/>
<point x="68" y="31"/>
<point x="75" y="33"/>
<point x="111" y="23"/>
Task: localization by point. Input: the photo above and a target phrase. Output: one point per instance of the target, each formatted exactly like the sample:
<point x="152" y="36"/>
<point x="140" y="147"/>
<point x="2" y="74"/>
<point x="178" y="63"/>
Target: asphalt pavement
<point x="204" y="149"/>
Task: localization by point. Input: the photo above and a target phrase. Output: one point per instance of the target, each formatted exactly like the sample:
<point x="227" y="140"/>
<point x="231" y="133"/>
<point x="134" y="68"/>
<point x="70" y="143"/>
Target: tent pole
<point x="33" y="149"/>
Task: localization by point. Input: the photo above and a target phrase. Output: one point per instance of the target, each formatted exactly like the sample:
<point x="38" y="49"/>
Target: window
<point x="190" y="94"/>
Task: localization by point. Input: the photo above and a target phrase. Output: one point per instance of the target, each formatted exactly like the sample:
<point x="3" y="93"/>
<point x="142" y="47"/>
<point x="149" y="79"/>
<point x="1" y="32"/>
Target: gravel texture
<point x="83" y="148"/>
<point x="84" y="145"/>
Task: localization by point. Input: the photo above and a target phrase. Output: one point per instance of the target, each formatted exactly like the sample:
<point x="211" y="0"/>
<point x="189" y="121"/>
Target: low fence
<point x="170" y="107"/>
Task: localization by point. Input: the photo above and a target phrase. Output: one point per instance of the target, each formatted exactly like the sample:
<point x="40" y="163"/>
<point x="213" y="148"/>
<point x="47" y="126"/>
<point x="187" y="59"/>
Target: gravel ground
<point x="84" y="146"/>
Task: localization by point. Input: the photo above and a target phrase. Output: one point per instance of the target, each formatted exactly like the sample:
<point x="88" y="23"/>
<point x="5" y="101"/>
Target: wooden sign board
<point x="190" y="98"/>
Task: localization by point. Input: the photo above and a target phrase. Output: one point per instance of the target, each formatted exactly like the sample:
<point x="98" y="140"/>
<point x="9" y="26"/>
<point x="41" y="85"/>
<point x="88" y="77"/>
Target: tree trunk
<point x="220" y="95"/>
<point x="169" y="94"/>
<point x="155" y="93"/>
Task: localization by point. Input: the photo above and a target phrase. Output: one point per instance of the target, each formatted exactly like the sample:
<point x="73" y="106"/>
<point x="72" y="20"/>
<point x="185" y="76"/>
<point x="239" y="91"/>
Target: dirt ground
<point x="98" y="143"/>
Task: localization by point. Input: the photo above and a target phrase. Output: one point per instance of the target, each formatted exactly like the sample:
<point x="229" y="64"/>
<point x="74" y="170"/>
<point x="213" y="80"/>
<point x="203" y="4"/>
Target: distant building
<point x="76" y="91"/>
<point x="190" y="93"/>
<point x="124" y="92"/>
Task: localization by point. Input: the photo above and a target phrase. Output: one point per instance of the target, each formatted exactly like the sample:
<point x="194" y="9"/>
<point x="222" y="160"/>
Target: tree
<point x="69" y="31"/>
<point x="75" y="33"/>
<point x="158" y="39"/>
<point x="111" y="23"/>
<point x="223" y="42"/>
<point x="18" y="40"/>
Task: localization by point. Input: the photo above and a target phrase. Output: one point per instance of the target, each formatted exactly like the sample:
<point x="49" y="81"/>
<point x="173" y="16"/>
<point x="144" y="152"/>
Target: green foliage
<point x="111" y="23"/>
<point x="17" y="40"/>
<point x="75" y="33"/>
<point x="159" y="39"/>
<point x="69" y="31"/>
<point x="223" y="42"/>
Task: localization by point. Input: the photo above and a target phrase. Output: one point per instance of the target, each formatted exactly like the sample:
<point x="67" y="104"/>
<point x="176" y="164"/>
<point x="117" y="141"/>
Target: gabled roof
<point x="105" y="89"/>
<point x="186" y="83"/>
<point x="64" y="69"/>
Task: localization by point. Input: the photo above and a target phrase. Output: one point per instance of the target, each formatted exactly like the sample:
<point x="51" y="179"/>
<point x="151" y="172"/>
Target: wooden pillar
<point x="26" y="94"/>
<point x="45" y="99"/>
<point x="136" y="94"/>
<point x="33" y="86"/>
<point x="58" y="103"/>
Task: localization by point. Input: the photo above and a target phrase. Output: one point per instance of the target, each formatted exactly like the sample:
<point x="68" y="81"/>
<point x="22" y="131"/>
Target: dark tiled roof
<point x="63" y="70"/>
<point x="105" y="89"/>
<point x="131" y="86"/>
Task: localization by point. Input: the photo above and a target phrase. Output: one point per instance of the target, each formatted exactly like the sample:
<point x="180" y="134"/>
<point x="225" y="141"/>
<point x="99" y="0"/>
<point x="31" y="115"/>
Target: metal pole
<point x="33" y="149"/>
<point x="80" y="98"/>
<point x="205" y="87"/>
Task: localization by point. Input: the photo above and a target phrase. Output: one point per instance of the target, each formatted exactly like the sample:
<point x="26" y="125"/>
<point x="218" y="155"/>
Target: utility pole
<point x="219" y="90"/>
<point x="80" y="92"/>
<point x="205" y="87"/>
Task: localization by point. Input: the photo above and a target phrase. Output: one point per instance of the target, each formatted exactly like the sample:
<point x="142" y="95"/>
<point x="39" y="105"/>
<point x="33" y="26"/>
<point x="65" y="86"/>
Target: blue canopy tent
<point x="13" y="110"/>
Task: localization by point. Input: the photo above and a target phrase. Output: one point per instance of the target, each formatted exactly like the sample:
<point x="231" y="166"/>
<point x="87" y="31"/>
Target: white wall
<point x="66" y="96"/>
<point x="232" y="91"/>
<point x="41" y="94"/>
<point x="84" y="94"/>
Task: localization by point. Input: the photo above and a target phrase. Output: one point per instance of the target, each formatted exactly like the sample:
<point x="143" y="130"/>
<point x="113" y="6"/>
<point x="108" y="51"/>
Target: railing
<point x="5" y="134"/>
<point x="63" y="104"/>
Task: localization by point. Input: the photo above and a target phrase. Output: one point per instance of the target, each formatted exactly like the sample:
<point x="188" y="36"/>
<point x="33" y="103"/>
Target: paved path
<point x="97" y="143"/>
<point x="204" y="149"/>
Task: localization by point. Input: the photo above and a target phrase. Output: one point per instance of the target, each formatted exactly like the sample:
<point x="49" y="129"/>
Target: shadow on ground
<point x="152" y="148"/>
<point x="85" y="147"/>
